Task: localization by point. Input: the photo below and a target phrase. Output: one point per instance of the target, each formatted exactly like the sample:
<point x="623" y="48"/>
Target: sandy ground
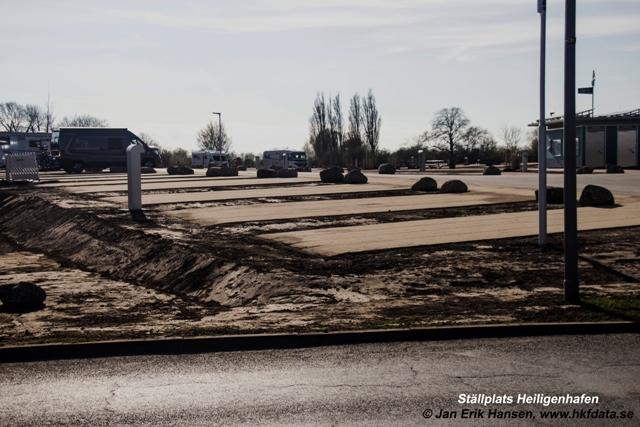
<point x="208" y="196"/>
<point x="310" y="209"/>
<point x="183" y="184"/>
<point x="336" y="241"/>
<point x="109" y="277"/>
<point x="280" y="291"/>
<point x="83" y="306"/>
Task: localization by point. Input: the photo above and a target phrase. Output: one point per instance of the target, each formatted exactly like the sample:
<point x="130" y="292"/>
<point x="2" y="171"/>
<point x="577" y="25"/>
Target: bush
<point x="386" y="168"/>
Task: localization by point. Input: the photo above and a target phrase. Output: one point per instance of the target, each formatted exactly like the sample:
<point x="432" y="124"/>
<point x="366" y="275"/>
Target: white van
<point x="285" y="159"/>
<point x="206" y="158"/>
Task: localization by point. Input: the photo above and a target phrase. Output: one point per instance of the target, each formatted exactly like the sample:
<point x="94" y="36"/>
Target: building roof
<point x="586" y="118"/>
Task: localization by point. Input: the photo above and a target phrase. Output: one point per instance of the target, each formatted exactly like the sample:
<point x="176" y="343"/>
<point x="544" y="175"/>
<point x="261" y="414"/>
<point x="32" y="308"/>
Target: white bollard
<point x="134" y="180"/>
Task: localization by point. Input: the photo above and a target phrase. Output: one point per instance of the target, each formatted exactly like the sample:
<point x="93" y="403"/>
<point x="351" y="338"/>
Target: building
<point x="601" y="140"/>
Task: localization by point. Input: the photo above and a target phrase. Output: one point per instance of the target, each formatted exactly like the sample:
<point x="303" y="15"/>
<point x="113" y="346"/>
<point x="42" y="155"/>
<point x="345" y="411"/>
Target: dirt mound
<point x="102" y="245"/>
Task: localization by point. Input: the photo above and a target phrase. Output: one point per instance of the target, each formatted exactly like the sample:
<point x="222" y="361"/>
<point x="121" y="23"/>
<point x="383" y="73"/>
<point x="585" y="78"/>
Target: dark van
<point x="99" y="148"/>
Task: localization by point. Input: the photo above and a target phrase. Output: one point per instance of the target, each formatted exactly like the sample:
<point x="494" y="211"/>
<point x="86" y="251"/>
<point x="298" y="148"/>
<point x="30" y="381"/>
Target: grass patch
<point x="622" y="307"/>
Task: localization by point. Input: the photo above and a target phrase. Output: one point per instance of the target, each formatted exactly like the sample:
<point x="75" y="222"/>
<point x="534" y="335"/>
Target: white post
<point x="134" y="180"/>
<point x="542" y="131"/>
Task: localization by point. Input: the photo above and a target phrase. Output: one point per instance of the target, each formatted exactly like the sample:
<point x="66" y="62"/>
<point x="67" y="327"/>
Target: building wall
<point x="598" y="146"/>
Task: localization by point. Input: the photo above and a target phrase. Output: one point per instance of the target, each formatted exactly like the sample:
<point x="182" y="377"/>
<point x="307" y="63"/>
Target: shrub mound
<point x="387" y="168"/>
<point x="179" y="170"/>
<point x="594" y="195"/>
<point x="425" y="184"/>
<point x="355" y="177"/>
<point x="454" y="186"/>
<point x="332" y="175"/>
<point x="267" y="173"/>
<point x="491" y="170"/>
<point x="221" y="171"/>
<point x="615" y="169"/>
<point x="287" y="173"/>
<point x="584" y="170"/>
<point x="555" y="195"/>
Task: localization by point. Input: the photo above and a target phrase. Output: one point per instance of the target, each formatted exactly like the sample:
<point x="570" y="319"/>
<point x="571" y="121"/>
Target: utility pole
<point x="593" y="93"/>
<point x="219" y="129"/>
<point x="571" y="291"/>
<point x="542" y="130"/>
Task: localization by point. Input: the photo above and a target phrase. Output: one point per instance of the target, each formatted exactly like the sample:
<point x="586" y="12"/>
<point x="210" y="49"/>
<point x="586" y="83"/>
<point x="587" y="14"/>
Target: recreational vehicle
<point x="206" y="158"/>
<point x="280" y="159"/>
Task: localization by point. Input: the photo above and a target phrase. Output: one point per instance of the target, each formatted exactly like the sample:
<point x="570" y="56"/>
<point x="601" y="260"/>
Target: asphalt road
<point x="383" y="384"/>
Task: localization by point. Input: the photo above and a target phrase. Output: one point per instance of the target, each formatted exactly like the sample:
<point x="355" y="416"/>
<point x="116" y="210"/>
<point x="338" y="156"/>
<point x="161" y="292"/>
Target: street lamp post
<point x="542" y="131"/>
<point x="571" y="291"/>
<point x="421" y="159"/>
<point x="219" y="128"/>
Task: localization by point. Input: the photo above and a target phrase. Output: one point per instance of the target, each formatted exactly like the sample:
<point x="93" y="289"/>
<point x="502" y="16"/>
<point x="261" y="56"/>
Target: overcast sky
<point x="162" y="67"/>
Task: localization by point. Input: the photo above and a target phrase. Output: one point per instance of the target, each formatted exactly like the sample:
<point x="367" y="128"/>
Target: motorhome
<point x="279" y="159"/>
<point x="29" y="142"/>
<point x="25" y="141"/>
<point x="98" y="148"/>
<point x="206" y="158"/>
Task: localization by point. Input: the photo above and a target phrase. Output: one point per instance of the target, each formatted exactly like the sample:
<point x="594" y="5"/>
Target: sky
<point x="162" y="67"/>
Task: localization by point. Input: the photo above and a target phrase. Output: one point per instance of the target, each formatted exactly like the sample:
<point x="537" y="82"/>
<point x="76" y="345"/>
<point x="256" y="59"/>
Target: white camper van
<point x="277" y="159"/>
<point x="206" y="158"/>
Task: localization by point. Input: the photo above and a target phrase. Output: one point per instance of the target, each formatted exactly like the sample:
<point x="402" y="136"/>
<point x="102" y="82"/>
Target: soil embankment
<point x="241" y="283"/>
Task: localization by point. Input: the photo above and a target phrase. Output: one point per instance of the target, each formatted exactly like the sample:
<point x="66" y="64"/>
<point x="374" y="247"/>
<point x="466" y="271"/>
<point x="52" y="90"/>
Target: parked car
<point x="99" y="148"/>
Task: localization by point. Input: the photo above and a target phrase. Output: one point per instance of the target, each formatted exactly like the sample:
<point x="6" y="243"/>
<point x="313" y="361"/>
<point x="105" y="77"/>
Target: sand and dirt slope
<point x="235" y="281"/>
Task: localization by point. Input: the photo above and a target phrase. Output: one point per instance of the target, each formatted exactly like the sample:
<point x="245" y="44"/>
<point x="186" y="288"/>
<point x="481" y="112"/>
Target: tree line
<point x="332" y="143"/>
<point x="450" y="137"/>
<point x="15" y="117"/>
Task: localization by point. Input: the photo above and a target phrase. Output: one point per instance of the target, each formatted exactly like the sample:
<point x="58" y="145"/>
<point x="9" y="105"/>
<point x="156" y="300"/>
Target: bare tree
<point x="214" y="137"/>
<point x="338" y="121"/>
<point x="148" y="139"/>
<point x="448" y="129"/>
<point x="355" y="118"/>
<point x="33" y="117"/>
<point x="83" y="121"/>
<point x="511" y="136"/>
<point x="474" y="137"/>
<point x="371" y="121"/>
<point x="323" y="132"/>
<point x="319" y="120"/>
<point x="12" y="117"/>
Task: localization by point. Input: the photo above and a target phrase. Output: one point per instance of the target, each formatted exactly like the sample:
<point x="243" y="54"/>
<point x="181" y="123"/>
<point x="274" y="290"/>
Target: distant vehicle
<point x="207" y="158"/>
<point x="25" y="141"/>
<point x="29" y="142"/>
<point x="99" y="148"/>
<point x="279" y="159"/>
<point x="4" y="149"/>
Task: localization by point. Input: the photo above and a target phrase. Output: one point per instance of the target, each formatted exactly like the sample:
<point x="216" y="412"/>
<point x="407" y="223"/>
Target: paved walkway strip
<point x="145" y="178"/>
<point x="212" y="196"/>
<point x="202" y="183"/>
<point x="307" y="209"/>
<point x="340" y="240"/>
